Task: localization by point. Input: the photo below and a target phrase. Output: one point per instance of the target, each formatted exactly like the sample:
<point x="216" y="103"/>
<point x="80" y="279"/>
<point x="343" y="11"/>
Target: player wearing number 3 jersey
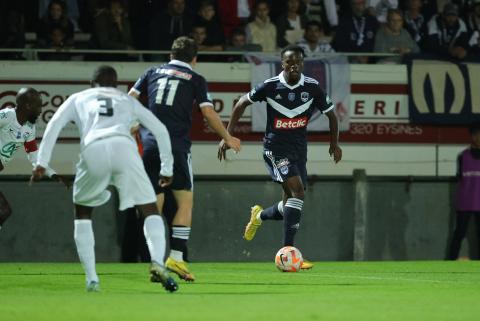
<point x="171" y="90"/>
<point x="109" y="156"/>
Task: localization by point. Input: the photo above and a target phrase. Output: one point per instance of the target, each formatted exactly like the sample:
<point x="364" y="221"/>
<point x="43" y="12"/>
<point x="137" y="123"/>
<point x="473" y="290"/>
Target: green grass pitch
<point x="246" y="291"/>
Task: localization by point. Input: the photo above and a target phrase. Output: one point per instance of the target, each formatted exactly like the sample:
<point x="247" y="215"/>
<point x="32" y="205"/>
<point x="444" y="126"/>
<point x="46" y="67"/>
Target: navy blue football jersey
<point x="172" y="90"/>
<point x="289" y="108"/>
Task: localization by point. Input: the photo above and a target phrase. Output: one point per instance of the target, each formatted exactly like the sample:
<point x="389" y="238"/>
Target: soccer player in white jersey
<point x="17" y="128"/>
<point x="109" y="156"/>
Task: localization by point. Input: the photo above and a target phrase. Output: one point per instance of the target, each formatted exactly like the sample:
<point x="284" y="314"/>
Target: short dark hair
<point x="294" y="48"/>
<point x="26" y="95"/>
<point x="105" y="76"/>
<point x="474" y="127"/>
<point x="314" y="23"/>
<point x="184" y="49"/>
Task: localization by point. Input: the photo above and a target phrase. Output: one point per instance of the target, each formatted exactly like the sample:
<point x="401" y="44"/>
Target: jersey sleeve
<point x="140" y="86"/>
<point x="323" y="102"/>
<point x="5" y="117"/>
<point x="62" y="116"/>
<point x="202" y="96"/>
<point x="158" y="129"/>
<point x="258" y="93"/>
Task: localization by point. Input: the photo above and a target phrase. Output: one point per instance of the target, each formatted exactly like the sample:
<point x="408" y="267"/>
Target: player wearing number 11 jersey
<point x="171" y="90"/>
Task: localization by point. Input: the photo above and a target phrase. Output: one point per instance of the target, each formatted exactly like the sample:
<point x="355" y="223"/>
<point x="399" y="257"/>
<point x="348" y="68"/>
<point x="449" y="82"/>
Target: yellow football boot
<point x="180" y="269"/>
<point x="306" y="265"/>
<point x="254" y="223"/>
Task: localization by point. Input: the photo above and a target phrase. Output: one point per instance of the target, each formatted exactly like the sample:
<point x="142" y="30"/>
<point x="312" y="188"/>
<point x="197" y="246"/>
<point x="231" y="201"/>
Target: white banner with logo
<point x="333" y="74"/>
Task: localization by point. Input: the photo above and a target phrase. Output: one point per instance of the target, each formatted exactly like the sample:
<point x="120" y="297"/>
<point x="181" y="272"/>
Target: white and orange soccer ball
<point x="288" y="259"/>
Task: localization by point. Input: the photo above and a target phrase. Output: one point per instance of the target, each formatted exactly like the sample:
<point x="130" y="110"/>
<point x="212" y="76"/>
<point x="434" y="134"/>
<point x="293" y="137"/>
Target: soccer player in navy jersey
<point x="172" y="89"/>
<point x="292" y="99"/>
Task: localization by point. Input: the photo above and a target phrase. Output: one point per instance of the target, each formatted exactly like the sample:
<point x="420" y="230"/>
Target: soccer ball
<point x="288" y="259"/>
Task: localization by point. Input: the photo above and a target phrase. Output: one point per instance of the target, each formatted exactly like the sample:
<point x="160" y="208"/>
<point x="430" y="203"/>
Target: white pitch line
<point x="393" y="279"/>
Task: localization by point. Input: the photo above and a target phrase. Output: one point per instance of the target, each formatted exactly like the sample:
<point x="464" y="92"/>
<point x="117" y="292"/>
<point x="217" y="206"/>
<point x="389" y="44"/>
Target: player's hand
<point x="234" y="143"/>
<point x="62" y="180"/>
<point x="37" y="174"/>
<point x="165" y="181"/>
<point x="336" y="152"/>
<point x="222" y="150"/>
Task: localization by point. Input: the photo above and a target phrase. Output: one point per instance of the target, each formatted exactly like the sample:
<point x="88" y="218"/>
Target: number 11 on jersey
<point x="169" y="86"/>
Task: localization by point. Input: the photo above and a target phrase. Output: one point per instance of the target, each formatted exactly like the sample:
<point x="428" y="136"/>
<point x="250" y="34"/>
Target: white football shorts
<point x="112" y="161"/>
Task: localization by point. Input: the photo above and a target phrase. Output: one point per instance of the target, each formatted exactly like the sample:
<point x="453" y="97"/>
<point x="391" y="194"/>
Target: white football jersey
<point x="102" y="112"/>
<point x="13" y="135"/>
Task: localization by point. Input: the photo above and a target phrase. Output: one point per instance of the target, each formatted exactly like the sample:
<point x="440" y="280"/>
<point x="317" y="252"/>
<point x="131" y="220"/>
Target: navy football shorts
<point x="182" y="170"/>
<point x="283" y="167"/>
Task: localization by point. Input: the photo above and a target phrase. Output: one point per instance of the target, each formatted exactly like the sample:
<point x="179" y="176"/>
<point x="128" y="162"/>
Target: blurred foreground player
<point x="292" y="99"/>
<point x="17" y="128"/>
<point x="468" y="192"/>
<point x="109" y="156"/>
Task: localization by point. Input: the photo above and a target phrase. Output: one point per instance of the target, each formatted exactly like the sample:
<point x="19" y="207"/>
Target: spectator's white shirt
<point x="381" y="8"/>
<point x="103" y="112"/>
<point x="323" y="46"/>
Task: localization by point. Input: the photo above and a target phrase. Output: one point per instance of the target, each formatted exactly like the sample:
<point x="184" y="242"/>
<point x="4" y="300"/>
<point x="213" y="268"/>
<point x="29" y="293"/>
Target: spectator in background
<point x="474" y="43"/>
<point x="324" y="11"/>
<point x="447" y="34"/>
<point x="473" y="18"/>
<point x="415" y="22"/>
<point x="214" y="31"/>
<point x="290" y="25"/>
<point x="379" y="8"/>
<point x="392" y="38"/>
<point x="57" y="39"/>
<point x="356" y="32"/>
<point x="261" y="31"/>
<point x="71" y="10"/>
<point x="238" y="42"/>
<point x="12" y="31"/>
<point x="200" y="35"/>
<point x="234" y="14"/>
<point x="468" y="191"/>
<point x="112" y="28"/>
<point x="169" y="25"/>
<point x="314" y="41"/>
<point x="56" y="18"/>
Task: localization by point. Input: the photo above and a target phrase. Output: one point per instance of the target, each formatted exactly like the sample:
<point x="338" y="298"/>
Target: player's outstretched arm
<point x="62" y="116"/>
<point x="334" y="149"/>
<point x="216" y="124"/>
<point x="39" y="171"/>
<point x="237" y="113"/>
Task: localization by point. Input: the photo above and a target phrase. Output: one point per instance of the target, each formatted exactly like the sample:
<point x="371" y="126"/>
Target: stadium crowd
<point x="431" y="28"/>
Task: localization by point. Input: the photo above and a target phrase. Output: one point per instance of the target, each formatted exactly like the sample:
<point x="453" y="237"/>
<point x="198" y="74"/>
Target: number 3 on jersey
<point x="170" y="87"/>
<point x="105" y="108"/>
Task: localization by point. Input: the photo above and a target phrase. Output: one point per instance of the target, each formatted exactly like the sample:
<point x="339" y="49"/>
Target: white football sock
<point x="85" y="242"/>
<point x="154" y="231"/>
<point x="176" y="255"/>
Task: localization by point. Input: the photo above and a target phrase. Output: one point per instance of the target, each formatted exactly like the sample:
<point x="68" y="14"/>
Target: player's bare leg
<point x="180" y="233"/>
<point x="154" y="230"/>
<point x="85" y="242"/>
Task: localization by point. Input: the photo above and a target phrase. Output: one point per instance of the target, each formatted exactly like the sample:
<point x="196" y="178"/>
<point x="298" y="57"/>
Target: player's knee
<point x="300" y="194"/>
<point x="148" y="209"/>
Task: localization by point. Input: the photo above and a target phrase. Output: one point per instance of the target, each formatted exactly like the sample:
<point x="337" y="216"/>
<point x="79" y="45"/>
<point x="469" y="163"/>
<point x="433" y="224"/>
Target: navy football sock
<point x="274" y="212"/>
<point x="291" y="212"/>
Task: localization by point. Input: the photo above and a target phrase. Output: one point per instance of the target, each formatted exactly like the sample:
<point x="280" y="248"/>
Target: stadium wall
<point x="380" y="138"/>
<point x="405" y="219"/>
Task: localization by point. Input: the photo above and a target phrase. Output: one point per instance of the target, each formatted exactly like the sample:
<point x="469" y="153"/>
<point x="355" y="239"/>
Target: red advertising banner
<point x="379" y="113"/>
